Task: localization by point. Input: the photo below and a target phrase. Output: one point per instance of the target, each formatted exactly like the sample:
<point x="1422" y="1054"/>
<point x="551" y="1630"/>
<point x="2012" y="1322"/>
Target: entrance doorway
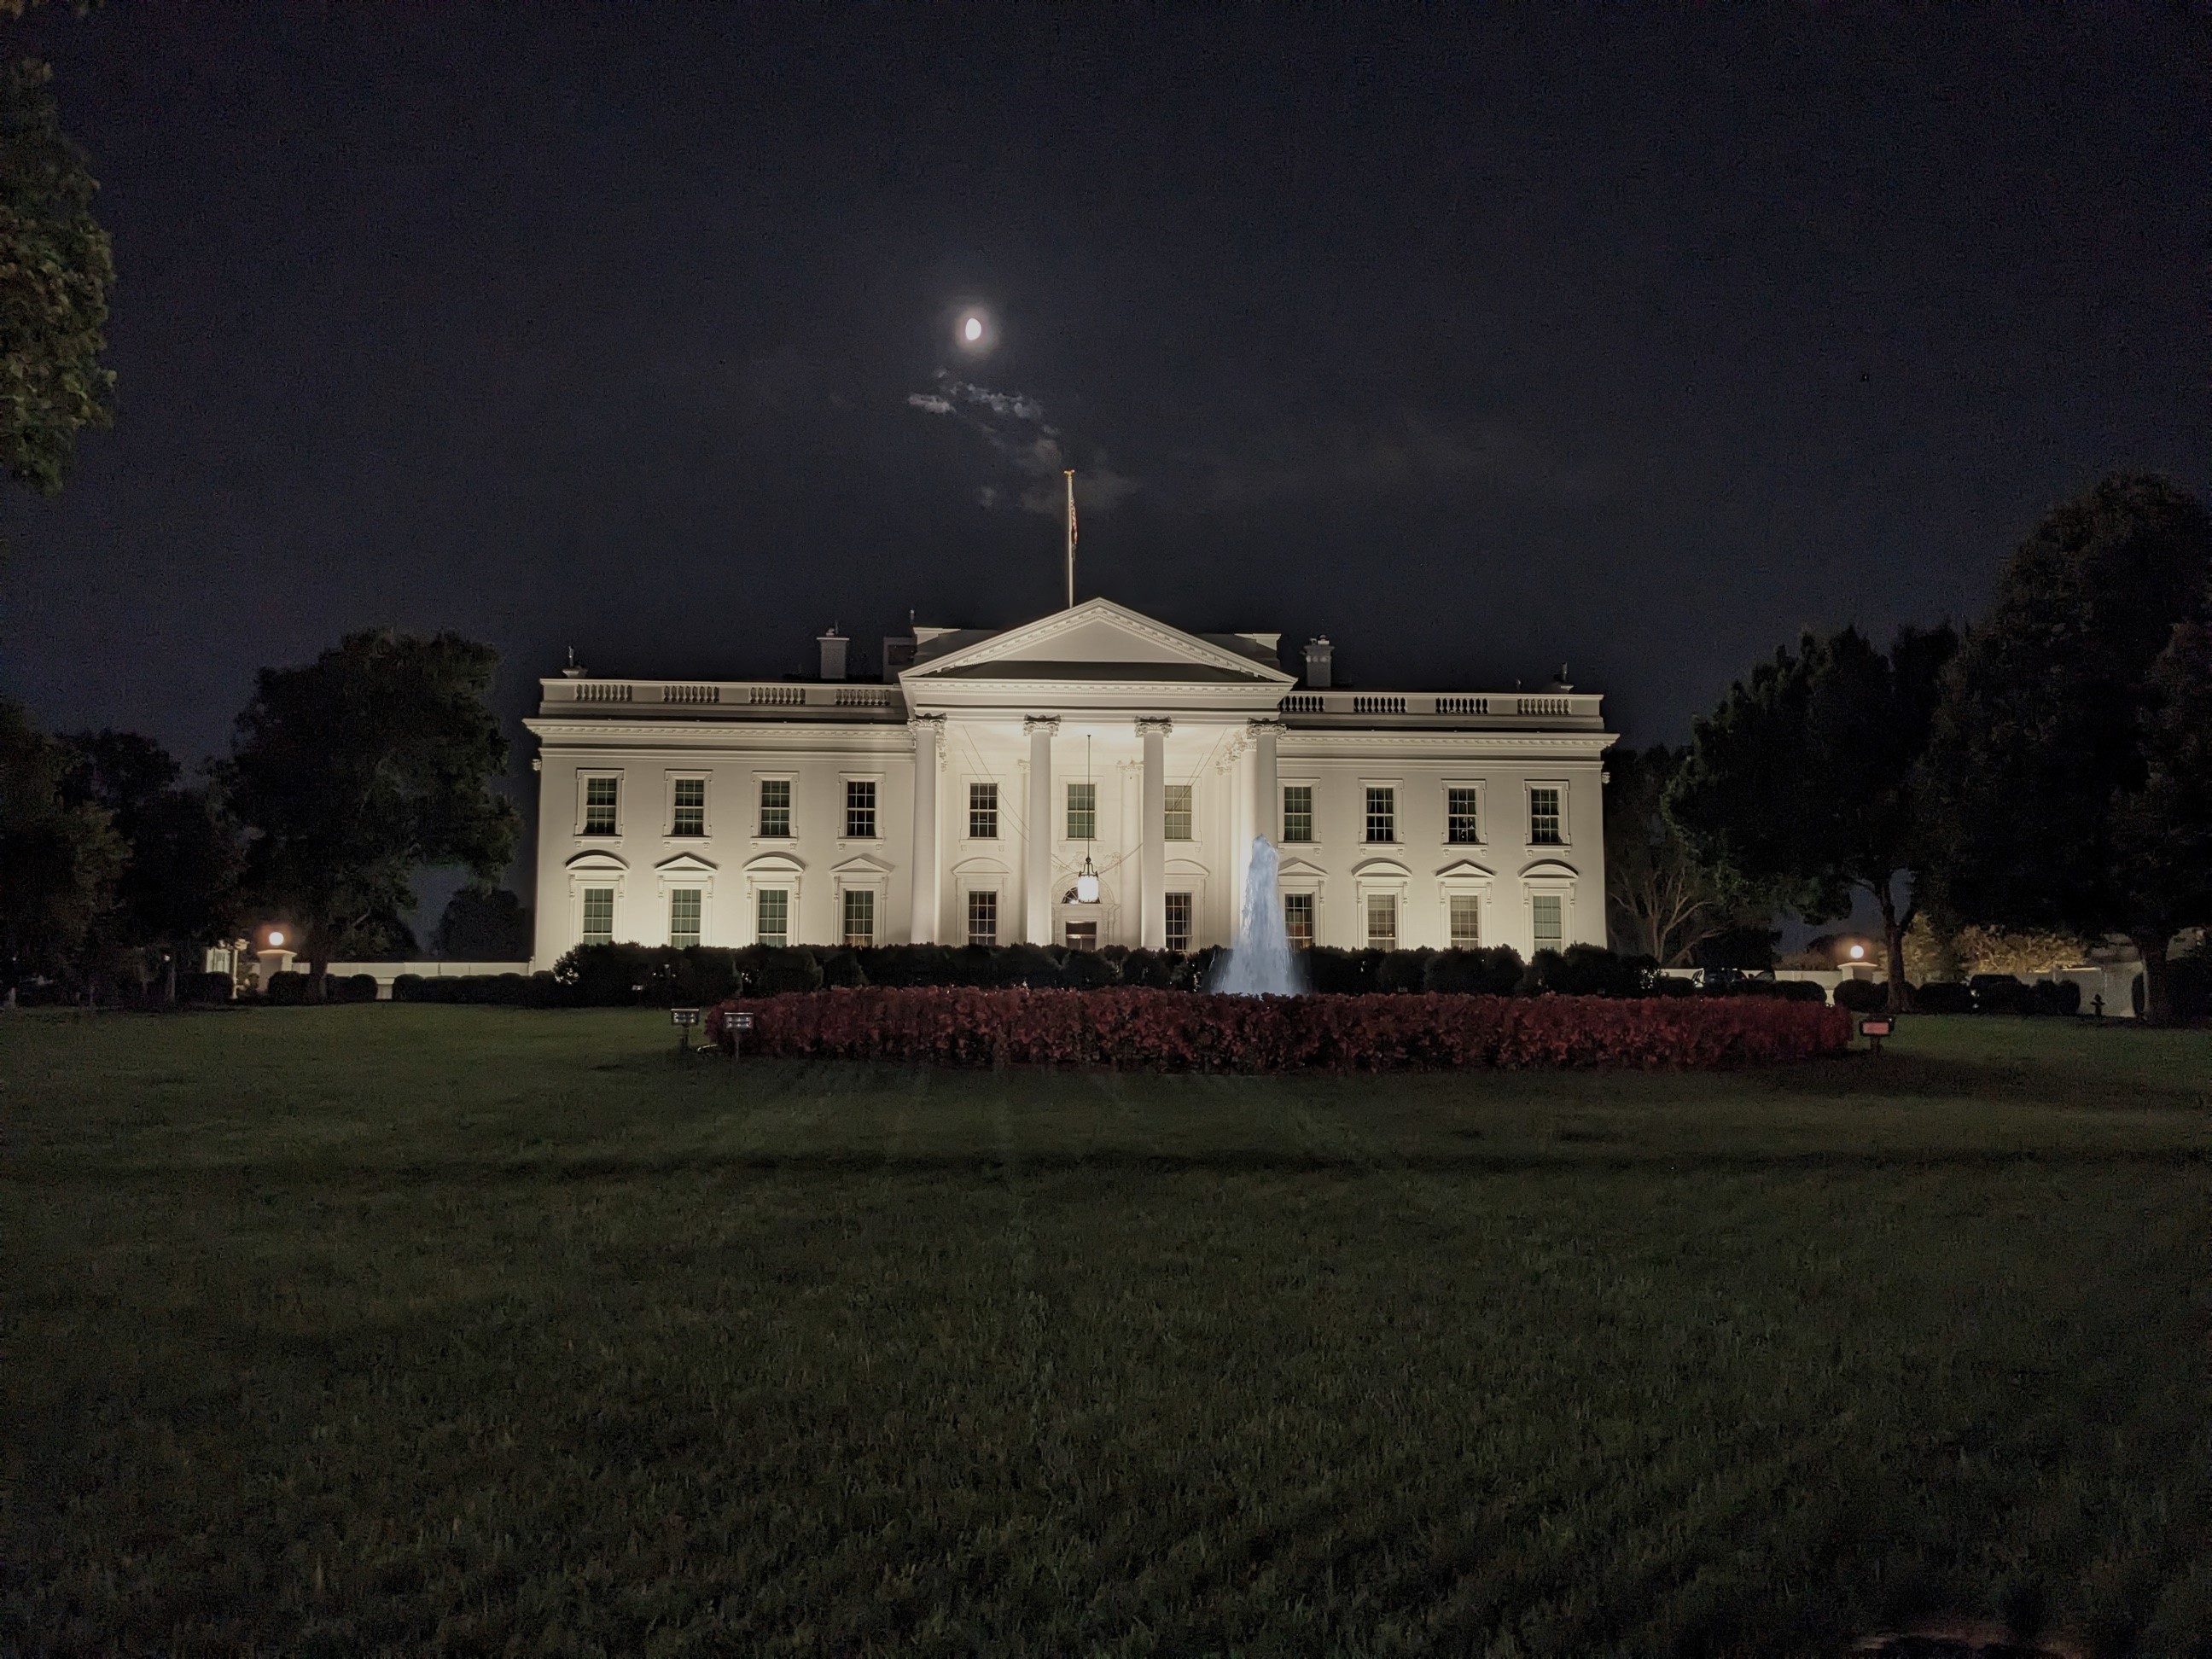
<point x="1082" y="935"/>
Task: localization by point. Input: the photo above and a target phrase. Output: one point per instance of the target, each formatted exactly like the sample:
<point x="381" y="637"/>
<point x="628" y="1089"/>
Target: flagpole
<point x="1070" y="537"/>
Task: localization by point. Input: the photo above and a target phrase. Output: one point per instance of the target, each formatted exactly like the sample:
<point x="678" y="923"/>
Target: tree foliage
<point x="484" y="924"/>
<point x="57" y="269"/>
<point x="2067" y="776"/>
<point x="1803" y="778"/>
<point x="179" y="888"/>
<point x="59" y="857"/>
<point x="352" y="772"/>
<point x="1661" y="901"/>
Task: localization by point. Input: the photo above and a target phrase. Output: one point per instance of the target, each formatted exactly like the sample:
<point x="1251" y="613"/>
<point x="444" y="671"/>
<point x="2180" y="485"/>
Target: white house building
<point x="963" y="798"/>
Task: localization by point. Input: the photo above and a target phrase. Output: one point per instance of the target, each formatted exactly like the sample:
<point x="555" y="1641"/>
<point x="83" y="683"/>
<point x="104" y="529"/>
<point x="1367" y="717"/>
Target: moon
<point x="972" y="330"/>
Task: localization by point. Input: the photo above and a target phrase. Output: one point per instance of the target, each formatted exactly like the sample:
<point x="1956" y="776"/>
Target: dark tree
<point x="179" y="889"/>
<point x="57" y="268"/>
<point x="1661" y="901"/>
<point x="1804" y="778"/>
<point x="482" y="924"/>
<point x="59" y="857"/>
<point x="352" y="773"/>
<point x="2066" y="776"/>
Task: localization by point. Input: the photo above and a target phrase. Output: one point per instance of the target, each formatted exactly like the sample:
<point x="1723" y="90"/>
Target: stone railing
<point x="1509" y="709"/>
<point x="731" y="697"/>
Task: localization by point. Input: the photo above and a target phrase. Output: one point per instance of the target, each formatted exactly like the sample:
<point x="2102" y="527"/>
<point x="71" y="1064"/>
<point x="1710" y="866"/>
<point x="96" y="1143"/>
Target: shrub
<point x="843" y="967"/>
<point x="1090" y="970"/>
<point x="1492" y="972"/>
<point x="408" y="987"/>
<point x="288" y="989"/>
<point x="1998" y="994"/>
<point x="1586" y="971"/>
<point x="1170" y="1032"/>
<point x="1401" y="971"/>
<point x="354" y="987"/>
<point x="204" y="988"/>
<point x="1027" y="964"/>
<point x="1943" y="997"/>
<point x="1863" y="996"/>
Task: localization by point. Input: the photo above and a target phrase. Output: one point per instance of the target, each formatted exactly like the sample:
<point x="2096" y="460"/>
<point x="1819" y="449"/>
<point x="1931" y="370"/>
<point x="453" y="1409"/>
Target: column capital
<point x="920" y="724"/>
<point x="1154" y="725"/>
<point x="1267" y="728"/>
<point x="1032" y="724"/>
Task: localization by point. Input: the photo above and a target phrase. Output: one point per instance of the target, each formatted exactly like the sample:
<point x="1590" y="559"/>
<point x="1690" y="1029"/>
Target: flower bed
<point x="1177" y="1031"/>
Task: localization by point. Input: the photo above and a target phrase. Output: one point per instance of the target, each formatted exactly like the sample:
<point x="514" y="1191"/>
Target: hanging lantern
<point x="1086" y="883"/>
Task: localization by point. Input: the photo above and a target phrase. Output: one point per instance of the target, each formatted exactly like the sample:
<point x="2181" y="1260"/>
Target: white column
<point x="1036" y="889"/>
<point x="929" y="734"/>
<point x="1151" y="828"/>
<point x="1267" y="790"/>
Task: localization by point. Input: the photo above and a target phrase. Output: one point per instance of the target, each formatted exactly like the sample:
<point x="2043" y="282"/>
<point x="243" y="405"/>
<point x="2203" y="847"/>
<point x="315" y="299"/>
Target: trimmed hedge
<point x="1178" y="1032"/>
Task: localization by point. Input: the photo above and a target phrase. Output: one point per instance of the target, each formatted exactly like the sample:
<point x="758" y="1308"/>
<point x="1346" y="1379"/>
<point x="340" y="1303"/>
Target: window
<point x="1176" y="826"/>
<point x="773" y="914"/>
<point x="1298" y="920"/>
<point x="983" y="909"/>
<point x="598" y="915"/>
<point x="859" y="916"/>
<point x="1298" y="812"/>
<point x="599" y="797"/>
<point x="1178" y="921"/>
<point x="683" y="909"/>
<point x="1544" y="817"/>
<point x="1082" y="935"/>
<point x="1083" y="811"/>
<point x="860" y="809"/>
<point x="1381" y="921"/>
<point x="1545" y="908"/>
<point x="775" y="806"/>
<point x="690" y="817"/>
<point x="1466" y="921"/>
<point x="983" y="815"/>
<point x="1461" y="828"/>
<point x="1382" y="814"/>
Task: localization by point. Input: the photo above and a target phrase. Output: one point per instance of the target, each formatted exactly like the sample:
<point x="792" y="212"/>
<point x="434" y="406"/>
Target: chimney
<point x="898" y="653"/>
<point x="1317" y="652"/>
<point x="833" y="645"/>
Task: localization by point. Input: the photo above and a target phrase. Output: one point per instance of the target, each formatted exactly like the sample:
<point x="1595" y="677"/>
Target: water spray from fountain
<point x="1260" y="964"/>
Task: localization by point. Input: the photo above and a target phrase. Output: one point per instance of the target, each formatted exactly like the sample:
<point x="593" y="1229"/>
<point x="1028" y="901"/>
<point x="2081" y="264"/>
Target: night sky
<point x="1636" y="342"/>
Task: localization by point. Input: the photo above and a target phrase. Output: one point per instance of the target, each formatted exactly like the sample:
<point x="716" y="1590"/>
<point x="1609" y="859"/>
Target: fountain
<point x="1260" y="964"/>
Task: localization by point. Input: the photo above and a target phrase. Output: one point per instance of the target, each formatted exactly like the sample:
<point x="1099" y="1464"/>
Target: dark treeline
<point x="2048" y="769"/>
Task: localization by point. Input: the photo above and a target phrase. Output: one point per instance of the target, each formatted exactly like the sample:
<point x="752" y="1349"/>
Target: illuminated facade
<point x="961" y="800"/>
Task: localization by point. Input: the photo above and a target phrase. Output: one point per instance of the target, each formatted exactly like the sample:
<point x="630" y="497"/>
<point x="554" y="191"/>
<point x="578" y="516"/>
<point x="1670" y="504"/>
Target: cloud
<point x="1013" y="425"/>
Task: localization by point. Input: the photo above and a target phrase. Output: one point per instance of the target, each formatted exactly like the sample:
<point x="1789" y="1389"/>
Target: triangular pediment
<point x="1097" y="641"/>
<point x="684" y="864"/>
<point x="1463" y="870"/>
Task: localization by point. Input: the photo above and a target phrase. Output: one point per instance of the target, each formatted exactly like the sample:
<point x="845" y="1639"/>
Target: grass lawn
<point x="415" y="1328"/>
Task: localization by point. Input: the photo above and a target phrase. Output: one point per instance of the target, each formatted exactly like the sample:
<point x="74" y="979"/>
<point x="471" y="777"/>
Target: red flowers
<point x="1179" y="1031"/>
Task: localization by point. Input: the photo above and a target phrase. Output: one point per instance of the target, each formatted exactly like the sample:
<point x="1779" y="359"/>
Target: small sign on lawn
<point x="740" y="1022"/>
<point x="684" y="1015"/>
<point x="1873" y="1028"/>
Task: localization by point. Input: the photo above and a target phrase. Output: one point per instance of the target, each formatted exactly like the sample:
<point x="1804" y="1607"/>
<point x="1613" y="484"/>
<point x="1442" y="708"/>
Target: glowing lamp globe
<point x="1086" y="884"/>
<point x="1858" y="953"/>
<point x="276" y="936"/>
<point x="972" y="330"/>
